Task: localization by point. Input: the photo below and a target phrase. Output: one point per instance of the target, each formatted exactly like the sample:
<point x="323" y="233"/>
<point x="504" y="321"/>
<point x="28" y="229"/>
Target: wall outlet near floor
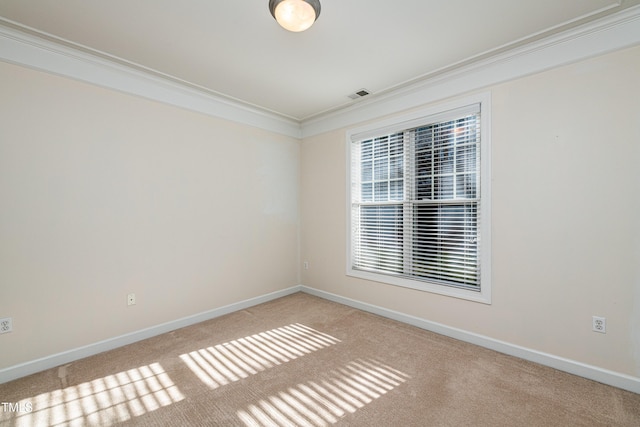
<point x="131" y="299"/>
<point x="599" y="324"/>
<point x="6" y="325"/>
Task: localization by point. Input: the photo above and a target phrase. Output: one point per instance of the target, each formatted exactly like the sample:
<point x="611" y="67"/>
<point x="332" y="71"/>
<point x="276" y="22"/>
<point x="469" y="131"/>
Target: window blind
<point x="415" y="200"/>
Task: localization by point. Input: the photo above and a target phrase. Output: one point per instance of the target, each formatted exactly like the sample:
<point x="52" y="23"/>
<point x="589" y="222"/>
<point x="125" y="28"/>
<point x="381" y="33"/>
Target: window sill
<point x="482" y="296"/>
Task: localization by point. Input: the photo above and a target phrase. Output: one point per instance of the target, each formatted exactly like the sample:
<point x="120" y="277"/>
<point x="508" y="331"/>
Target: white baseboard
<point x="604" y="376"/>
<point x="615" y="379"/>
<point x="28" y="368"/>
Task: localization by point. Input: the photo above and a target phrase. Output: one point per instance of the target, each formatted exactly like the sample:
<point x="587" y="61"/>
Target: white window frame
<point x="424" y="116"/>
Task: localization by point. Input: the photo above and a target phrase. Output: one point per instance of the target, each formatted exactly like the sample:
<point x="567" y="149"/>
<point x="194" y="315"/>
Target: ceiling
<point x="235" y="49"/>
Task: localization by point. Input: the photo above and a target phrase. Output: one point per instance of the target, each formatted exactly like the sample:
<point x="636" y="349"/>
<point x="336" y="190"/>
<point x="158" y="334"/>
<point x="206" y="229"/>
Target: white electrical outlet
<point x="306" y="265"/>
<point x="599" y="324"/>
<point x="6" y="325"/>
<point x="131" y="299"/>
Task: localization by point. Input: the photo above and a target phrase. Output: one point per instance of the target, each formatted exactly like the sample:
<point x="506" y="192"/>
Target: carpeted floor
<point x="305" y="361"/>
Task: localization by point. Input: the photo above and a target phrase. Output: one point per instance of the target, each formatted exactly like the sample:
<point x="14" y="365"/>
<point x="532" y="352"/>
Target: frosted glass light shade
<point x="295" y="15"/>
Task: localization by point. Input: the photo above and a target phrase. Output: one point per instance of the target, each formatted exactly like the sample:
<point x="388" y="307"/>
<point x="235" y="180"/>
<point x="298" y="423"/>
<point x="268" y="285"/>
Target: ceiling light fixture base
<point x="295" y="15"/>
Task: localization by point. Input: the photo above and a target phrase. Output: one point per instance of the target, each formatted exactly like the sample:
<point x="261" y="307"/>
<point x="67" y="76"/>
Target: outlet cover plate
<point x="599" y="324"/>
<point x="6" y="325"/>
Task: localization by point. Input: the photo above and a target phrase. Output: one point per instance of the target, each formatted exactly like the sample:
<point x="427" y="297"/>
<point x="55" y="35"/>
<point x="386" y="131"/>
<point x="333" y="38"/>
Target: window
<point x="419" y="202"/>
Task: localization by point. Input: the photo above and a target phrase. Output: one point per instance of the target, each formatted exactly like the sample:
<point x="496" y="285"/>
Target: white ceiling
<point x="234" y="48"/>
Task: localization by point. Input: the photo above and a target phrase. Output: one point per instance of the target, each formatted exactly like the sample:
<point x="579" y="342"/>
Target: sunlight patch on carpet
<point x="103" y="401"/>
<point x="324" y="401"/>
<point x="232" y="361"/>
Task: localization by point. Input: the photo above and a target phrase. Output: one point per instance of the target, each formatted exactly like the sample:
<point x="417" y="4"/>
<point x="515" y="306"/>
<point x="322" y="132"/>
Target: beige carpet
<point x="304" y="361"/>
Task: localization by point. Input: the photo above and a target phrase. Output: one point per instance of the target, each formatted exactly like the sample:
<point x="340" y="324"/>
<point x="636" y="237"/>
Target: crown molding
<point x="614" y="32"/>
<point x="32" y="51"/>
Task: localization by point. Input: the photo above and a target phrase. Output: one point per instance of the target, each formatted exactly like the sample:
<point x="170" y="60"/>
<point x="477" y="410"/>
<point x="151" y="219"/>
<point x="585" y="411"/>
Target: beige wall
<point x="566" y="209"/>
<point x="103" y="194"/>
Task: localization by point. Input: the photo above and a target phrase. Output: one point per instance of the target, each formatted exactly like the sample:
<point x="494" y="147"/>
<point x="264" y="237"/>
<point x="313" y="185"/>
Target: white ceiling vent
<point x="359" y="94"/>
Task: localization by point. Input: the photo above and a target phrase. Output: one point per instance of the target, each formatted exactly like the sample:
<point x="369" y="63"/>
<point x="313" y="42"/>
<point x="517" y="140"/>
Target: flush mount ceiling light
<point x="295" y="15"/>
